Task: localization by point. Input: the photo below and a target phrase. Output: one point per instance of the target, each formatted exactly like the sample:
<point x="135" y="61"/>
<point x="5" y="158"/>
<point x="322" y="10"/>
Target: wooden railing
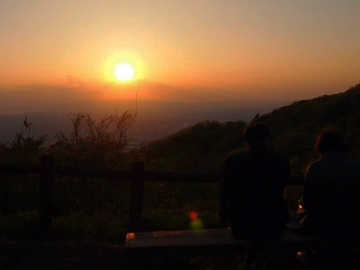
<point x="137" y="175"/>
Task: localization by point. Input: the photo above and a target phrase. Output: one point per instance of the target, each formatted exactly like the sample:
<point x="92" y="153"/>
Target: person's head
<point x="329" y="141"/>
<point x="257" y="134"/>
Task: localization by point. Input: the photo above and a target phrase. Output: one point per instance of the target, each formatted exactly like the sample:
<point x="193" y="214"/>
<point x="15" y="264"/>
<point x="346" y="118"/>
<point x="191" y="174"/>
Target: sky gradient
<point x="189" y="50"/>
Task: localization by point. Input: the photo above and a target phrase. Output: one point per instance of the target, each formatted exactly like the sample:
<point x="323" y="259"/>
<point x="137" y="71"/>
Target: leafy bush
<point x="25" y="147"/>
<point x="94" y="143"/>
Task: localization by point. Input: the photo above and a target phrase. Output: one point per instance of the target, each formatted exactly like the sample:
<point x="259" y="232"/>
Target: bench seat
<point x="216" y="240"/>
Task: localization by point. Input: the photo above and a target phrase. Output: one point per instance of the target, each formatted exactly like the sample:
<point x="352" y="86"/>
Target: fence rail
<point x="137" y="175"/>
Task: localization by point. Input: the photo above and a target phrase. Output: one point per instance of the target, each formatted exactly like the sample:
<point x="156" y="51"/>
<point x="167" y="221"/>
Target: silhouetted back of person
<point x="254" y="183"/>
<point x="331" y="196"/>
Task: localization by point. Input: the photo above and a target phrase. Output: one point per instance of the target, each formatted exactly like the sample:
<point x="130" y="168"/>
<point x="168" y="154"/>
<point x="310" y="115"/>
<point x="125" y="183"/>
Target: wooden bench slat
<point x="181" y="242"/>
<point x="180" y="233"/>
<point x="204" y="238"/>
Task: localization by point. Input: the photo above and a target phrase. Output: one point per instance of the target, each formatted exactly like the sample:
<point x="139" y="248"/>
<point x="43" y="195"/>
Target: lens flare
<point x="195" y="223"/>
<point x="193" y="215"/>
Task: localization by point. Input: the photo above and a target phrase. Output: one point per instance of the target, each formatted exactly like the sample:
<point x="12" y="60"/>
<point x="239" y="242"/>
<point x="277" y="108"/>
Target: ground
<point x="58" y="255"/>
<point x="62" y="255"/>
<point x="94" y="255"/>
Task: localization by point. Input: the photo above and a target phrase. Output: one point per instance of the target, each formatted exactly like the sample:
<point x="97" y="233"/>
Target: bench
<point x="215" y="241"/>
<point x="211" y="241"/>
<point x="174" y="244"/>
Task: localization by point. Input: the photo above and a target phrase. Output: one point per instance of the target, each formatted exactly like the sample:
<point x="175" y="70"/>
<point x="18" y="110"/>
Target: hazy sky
<point x="188" y="50"/>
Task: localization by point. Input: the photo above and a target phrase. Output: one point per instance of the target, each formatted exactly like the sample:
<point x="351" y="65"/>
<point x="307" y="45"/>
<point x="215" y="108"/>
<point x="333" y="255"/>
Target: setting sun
<point x="124" y="72"/>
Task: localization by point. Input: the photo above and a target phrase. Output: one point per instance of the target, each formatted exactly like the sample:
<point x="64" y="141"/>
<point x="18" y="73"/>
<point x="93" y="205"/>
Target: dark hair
<point x="256" y="133"/>
<point x="329" y="141"/>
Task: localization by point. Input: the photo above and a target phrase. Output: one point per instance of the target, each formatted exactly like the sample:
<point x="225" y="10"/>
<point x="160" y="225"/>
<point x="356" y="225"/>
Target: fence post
<point x="46" y="196"/>
<point x="136" y="196"/>
<point x="222" y="199"/>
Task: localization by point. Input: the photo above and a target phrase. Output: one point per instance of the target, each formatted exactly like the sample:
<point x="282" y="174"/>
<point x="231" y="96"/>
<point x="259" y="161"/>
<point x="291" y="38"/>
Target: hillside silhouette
<point x="294" y="128"/>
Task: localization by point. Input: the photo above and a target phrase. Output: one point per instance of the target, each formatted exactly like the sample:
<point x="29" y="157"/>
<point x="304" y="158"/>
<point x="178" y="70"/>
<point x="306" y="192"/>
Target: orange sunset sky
<point x="191" y="51"/>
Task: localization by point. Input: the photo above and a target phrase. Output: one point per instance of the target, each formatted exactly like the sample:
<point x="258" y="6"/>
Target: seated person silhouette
<point x="330" y="201"/>
<point x="254" y="186"/>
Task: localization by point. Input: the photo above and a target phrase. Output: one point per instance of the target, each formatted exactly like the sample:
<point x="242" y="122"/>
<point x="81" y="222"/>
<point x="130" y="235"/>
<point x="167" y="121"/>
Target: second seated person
<point x="254" y="186"/>
<point x="331" y="198"/>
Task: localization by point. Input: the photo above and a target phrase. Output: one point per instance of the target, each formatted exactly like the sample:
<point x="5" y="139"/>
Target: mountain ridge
<point x="294" y="129"/>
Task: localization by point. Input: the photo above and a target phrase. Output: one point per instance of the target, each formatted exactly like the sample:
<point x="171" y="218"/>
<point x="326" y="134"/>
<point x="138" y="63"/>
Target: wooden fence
<point x="137" y="175"/>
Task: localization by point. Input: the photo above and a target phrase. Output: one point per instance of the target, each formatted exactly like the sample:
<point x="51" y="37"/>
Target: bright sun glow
<point x="124" y="72"/>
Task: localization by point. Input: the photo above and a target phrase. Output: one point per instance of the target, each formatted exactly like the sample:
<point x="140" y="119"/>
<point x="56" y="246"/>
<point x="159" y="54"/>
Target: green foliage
<point x="199" y="148"/>
<point x="95" y="208"/>
<point x="13" y="187"/>
<point x="93" y="143"/>
<point x="90" y="208"/>
<point x="24" y="224"/>
<point x="294" y="129"/>
<point x="90" y="143"/>
<point x="25" y="147"/>
<point x="168" y="205"/>
<point x="84" y="208"/>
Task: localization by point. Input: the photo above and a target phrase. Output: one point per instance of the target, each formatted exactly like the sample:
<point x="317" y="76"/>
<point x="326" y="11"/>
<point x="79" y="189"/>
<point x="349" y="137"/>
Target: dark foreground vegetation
<point x="97" y="209"/>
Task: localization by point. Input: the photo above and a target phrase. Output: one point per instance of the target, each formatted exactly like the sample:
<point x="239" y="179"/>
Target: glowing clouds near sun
<point x="124" y="72"/>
